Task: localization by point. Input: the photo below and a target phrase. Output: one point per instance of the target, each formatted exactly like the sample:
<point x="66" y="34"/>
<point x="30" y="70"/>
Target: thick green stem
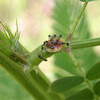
<point x="34" y="85"/>
<point x="16" y="71"/>
<point x="85" y="43"/>
<point x="35" y="60"/>
<point x="78" y="19"/>
<point x="30" y="82"/>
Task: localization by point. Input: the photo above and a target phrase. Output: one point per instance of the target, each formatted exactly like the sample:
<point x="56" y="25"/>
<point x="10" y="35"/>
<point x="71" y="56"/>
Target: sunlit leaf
<point x="64" y="84"/>
<point x="94" y="72"/>
<point x="85" y="94"/>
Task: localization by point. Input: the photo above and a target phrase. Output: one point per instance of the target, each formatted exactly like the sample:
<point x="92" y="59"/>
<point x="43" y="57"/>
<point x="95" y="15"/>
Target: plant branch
<point x="27" y="81"/>
<point x="85" y="43"/>
<point x="35" y="60"/>
<point x="77" y="20"/>
<point x="24" y="60"/>
<point x="32" y="84"/>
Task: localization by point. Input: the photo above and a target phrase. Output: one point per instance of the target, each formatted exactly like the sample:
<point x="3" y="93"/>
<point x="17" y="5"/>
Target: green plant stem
<point x="27" y="81"/>
<point x="78" y="19"/>
<point x="87" y="82"/>
<point x="14" y="52"/>
<point x="32" y="84"/>
<point x="35" y="60"/>
<point x="73" y="45"/>
<point x="89" y="85"/>
<point x="80" y="71"/>
<point x="85" y="43"/>
<point x="16" y="71"/>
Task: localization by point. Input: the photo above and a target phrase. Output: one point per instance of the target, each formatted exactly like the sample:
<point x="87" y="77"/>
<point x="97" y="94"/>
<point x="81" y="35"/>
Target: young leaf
<point x="94" y="72"/>
<point x="97" y="88"/>
<point x="85" y="94"/>
<point x="64" y="84"/>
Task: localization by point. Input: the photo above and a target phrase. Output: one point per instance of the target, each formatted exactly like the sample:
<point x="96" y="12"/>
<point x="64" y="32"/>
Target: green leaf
<point x="64" y="14"/>
<point x="94" y="72"/>
<point x="67" y="83"/>
<point x="85" y="94"/>
<point x="63" y="61"/>
<point x="97" y="88"/>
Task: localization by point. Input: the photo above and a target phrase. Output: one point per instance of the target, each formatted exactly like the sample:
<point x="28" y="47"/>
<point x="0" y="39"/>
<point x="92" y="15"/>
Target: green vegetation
<point x="80" y="81"/>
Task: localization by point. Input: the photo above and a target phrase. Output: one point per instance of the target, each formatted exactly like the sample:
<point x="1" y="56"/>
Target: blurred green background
<point x="34" y="21"/>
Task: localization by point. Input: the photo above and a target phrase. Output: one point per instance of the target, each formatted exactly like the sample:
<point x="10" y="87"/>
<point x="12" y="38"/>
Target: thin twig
<point x="70" y="35"/>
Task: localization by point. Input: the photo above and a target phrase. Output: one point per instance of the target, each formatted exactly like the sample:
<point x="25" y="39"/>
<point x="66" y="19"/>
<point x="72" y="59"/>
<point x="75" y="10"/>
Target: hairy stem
<point x="34" y="85"/>
<point x="35" y="60"/>
<point x="89" y="85"/>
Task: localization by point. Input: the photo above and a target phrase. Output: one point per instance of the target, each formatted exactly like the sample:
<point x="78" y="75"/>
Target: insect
<point x="54" y="44"/>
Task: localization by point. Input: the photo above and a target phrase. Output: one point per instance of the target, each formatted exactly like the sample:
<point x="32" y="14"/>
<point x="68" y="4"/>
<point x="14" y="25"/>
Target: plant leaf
<point x="7" y="29"/>
<point x="97" y="88"/>
<point x="67" y="83"/>
<point x="94" y="72"/>
<point x="85" y="94"/>
<point x="68" y="15"/>
<point x="64" y="16"/>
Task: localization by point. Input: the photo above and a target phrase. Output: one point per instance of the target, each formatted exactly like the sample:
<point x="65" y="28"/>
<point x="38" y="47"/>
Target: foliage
<point x="63" y="83"/>
<point x="94" y="73"/>
<point x="83" y="55"/>
<point x="14" y="61"/>
<point x="83" y="81"/>
<point x="82" y="95"/>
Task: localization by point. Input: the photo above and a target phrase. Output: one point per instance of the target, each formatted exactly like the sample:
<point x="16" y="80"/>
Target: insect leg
<point x="41" y="57"/>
